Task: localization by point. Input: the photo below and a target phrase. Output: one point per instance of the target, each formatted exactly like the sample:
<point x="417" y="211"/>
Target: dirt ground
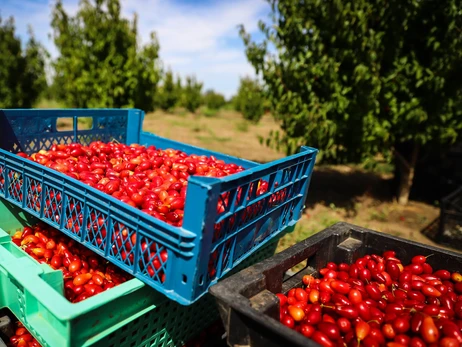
<point x="226" y="132"/>
<point x="342" y="193"/>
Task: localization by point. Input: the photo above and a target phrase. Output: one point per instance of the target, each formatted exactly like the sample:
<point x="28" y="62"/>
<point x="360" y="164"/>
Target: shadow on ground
<point x="342" y="186"/>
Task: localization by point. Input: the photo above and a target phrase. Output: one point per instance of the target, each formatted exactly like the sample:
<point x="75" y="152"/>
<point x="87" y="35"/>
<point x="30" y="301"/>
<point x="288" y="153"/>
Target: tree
<point x="192" y="97"/>
<point x="101" y="63"/>
<point x="360" y="77"/>
<point x="179" y="87"/>
<point x="168" y="93"/>
<point x="22" y="72"/>
<point x="213" y="100"/>
<point x="249" y="100"/>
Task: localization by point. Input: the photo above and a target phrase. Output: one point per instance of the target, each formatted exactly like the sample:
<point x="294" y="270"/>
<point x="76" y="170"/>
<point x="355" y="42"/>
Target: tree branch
<point x="415" y="154"/>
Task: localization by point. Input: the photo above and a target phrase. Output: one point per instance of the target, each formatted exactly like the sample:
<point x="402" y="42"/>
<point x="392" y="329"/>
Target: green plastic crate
<point x="131" y="314"/>
<point x="33" y="292"/>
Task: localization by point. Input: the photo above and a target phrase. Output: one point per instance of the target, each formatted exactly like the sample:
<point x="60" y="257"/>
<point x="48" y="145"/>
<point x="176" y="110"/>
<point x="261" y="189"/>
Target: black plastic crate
<point x="450" y="226"/>
<point x="250" y="310"/>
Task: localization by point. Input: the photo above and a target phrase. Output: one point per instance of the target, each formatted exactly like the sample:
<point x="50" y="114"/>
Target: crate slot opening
<point x="64" y="124"/>
<point x="297" y="268"/>
<point x="84" y="123"/>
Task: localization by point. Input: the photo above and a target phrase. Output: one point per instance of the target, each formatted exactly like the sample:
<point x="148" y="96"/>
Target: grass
<point x="47" y="103"/>
<point x="378" y="215"/>
<point x="242" y="126"/>
<point x="386" y="216"/>
<point x="211" y="137"/>
<point x="208" y="112"/>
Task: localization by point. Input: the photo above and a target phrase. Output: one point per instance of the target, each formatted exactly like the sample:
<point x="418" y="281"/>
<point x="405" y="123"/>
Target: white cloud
<point x="200" y="39"/>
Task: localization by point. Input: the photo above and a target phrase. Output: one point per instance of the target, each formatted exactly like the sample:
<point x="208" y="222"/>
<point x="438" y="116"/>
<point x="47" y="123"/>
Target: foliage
<point x="45" y="102"/>
<point x="242" y="126"/>
<point x="168" y="94"/>
<point x="213" y="100"/>
<point x="267" y="106"/>
<point x="179" y="88"/>
<point x="22" y="72"/>
<point x="249" y="100"/>
<point x="101" y="63"/>
<point x="209" y="112"/>
<point x="360" y="77"/>
<point x="191" y="94"/>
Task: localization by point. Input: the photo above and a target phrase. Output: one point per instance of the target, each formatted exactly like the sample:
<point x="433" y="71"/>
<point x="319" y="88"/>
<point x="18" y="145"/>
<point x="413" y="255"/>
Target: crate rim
<point x="91" y="109"/>
<point x="203" y="181"/>
<point x="200" y="180"/>
<point x="323" y="234"/>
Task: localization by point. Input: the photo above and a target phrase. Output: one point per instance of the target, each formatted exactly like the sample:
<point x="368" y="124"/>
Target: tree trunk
<point x="407" y="169"/>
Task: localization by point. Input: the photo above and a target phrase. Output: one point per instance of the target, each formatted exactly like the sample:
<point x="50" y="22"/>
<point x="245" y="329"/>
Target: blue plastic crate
<point x="222" y="239"/>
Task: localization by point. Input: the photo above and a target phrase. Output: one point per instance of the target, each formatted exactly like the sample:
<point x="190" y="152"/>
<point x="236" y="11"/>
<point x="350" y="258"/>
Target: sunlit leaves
<point x="249" y="100"/>
<point x="356" y="77"/>
<point x="101" y="63"/>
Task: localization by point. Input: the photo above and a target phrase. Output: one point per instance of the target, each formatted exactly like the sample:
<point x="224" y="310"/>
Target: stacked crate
<point x="145" y="310"/>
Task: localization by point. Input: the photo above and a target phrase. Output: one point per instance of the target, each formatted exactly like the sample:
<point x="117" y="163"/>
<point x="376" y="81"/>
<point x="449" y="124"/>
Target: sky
<point x="198" y="37"/>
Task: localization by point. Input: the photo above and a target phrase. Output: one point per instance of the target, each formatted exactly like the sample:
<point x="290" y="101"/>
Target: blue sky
<point x="196" y="37"/>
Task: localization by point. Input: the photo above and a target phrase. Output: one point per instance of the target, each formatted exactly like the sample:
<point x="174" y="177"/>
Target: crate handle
<point x="253" y="280"/>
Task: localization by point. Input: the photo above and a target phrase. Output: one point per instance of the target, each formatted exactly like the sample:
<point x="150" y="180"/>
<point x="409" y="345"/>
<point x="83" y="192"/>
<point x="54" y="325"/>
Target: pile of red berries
<point x="151" y="179"/>
<point x="22" y="337"/>
<point x="377" y="301"/>
<point x="85" y="273"/>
